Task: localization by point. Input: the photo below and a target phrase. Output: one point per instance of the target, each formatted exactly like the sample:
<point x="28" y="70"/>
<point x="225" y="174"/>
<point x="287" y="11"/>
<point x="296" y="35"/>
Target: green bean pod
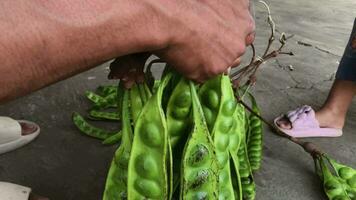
<point x="89" y="129"/>
<point x="199" y="175"/>
<point x="247" y="181"/>
<point x="247" y="188"/>
<point x="178" y="124"/>
<point x="147" y="177"/>
<point x="113" y="139"/>
<point x="255" y="137"/>
<point x="235" y="143"/>
<point x="101" y="115"/>
<point x="210" y="94"/>
<point x="224" y="137"/>
<point x="333" y="185"/>
<point x="136" y="103"/>
<point x="106" y="90"/>
<point x="347" y="174"/>
<point x="116" y="182"/>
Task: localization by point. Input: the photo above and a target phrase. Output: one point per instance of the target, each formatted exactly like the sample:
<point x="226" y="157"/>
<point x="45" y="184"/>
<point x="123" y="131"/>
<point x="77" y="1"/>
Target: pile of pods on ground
<point x="179" y="140"/>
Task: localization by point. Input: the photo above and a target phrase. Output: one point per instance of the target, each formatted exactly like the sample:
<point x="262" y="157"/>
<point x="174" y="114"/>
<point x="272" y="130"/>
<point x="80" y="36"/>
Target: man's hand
<point x="207" y="36"/>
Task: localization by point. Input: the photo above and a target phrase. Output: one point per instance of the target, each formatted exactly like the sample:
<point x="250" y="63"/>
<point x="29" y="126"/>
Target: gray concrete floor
<point x="65" y="165"/>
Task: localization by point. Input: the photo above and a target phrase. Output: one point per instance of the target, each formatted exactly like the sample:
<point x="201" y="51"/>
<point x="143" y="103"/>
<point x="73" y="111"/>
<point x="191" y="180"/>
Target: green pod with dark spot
<point x="89" y="129"/>
<point x="150" y="145"/>
<point x="116" y="181"/>
<point x="199" y="175"/>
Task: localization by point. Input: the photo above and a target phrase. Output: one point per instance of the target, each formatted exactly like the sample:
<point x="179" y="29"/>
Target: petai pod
<point x="101" y="115"/>
<point x="178" y="124"/>
<point x="136" y="103"/>
<point x="334" y="187"/>
<point x="89" y="129"/>
<point x="199" y="175"/>
<point x="224" y="137"/>
<point x="116" y="181"/>
<point x="246" y="186"/>
<point x="210" y="94"/>
<point x="147" y="177"/>
<point x="255" y="137"/>
<point x="113" y="139"/>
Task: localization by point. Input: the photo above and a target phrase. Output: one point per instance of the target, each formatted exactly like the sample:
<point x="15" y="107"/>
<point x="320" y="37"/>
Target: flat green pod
<point x="334" y="186"/>
<point x="225" y="137"/>
<point x="255" y="136"/>
<point x="136" y="102"/>
<point x="116" y="181"/>
<point x="199" y="175"/>
<point x="88" y="129"/>
<point x="210" y="96"/>
<point x="147" y="175"/>
<point x="114" y="139"/>
<point x="102" y="115"/>
<point x="178" y="116"/>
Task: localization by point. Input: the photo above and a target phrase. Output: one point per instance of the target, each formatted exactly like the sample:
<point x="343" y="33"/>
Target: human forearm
<point x="45" y="41"/>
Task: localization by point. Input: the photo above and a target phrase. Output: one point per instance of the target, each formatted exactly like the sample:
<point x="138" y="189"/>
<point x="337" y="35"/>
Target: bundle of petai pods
<point x="179" y="140"/>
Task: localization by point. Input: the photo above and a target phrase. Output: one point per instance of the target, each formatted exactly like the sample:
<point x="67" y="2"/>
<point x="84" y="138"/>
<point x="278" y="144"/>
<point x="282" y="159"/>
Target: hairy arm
<point x="44" y="41"/>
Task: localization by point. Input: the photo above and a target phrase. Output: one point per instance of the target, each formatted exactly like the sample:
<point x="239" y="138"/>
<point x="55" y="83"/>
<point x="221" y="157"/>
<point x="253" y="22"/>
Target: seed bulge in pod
<point x="222" y="142"/>
<point x="346" y="172"/>
<point x="146" y="166"/>
<point x="184" y="99"/>
<point x="181" y="113"/>
<point x="225" y="125"/>
<point x="208" y="115"/>
<point x="213" y="99"/>
<point x="148" y="188"/>
<point x="199" y="155"/>
<point x="151" y="135"/>
<point x="229" y="107"/>
<point x="352" y="182"/>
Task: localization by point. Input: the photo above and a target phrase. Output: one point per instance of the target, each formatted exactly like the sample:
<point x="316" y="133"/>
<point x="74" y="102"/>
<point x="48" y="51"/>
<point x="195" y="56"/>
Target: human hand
<point x="207" y="36"/>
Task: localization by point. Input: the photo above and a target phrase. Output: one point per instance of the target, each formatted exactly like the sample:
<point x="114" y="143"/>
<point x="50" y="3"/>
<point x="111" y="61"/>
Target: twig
<point x="309" y="147"/>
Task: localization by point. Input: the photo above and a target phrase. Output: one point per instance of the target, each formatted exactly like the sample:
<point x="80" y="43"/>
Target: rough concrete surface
<point x="65" y="165"/>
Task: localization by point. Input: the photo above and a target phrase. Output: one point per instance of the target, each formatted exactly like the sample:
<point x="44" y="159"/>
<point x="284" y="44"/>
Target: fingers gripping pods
<point x="255" y="137"/>
<point x="147" y="178"/>
<point x="199" y="176"/>
<point x="116" y="182"/>
<point x="89" y="129"/>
